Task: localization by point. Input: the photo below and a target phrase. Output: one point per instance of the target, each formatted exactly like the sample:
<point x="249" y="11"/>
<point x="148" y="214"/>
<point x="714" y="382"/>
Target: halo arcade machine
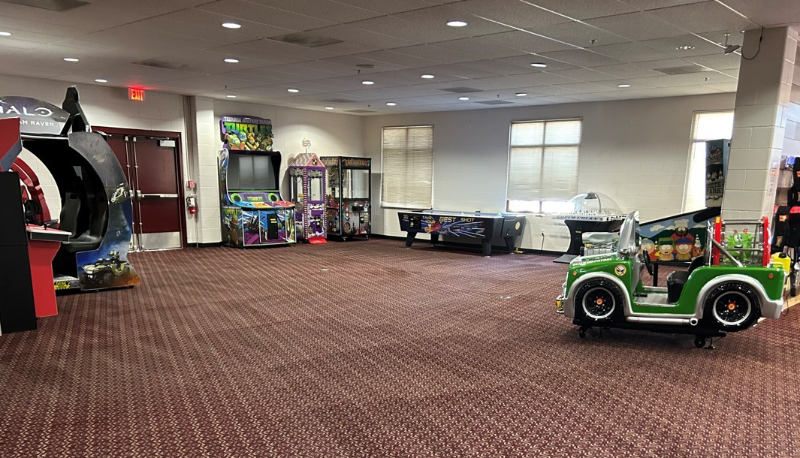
<point x="253" y="212"/>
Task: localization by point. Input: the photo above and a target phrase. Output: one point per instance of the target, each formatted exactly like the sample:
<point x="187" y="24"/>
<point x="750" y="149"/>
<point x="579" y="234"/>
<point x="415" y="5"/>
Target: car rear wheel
<point x="599" y="300"/>
<point x="732" y="306"/>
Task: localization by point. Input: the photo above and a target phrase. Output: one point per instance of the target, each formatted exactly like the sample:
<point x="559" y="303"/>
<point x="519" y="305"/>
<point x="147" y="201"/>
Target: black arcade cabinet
<point x="17" y="310"/>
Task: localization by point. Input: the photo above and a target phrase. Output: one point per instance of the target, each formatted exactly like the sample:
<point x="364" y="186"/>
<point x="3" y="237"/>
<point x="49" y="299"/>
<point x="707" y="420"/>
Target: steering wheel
<point x="647" y="262"/>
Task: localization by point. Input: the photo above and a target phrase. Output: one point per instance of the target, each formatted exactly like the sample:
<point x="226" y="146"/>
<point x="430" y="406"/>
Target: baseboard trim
<point x="498" y="248"/>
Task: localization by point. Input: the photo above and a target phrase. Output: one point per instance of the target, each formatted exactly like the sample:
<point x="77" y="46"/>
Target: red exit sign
<point x="136" y="94"/>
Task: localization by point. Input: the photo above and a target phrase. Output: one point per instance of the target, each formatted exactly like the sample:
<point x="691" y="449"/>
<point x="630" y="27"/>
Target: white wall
<point x="635" y="151"/>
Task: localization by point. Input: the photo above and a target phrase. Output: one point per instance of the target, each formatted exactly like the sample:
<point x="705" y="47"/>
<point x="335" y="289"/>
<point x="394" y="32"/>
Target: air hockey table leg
<point x="410" y="238"/>
<point x="486" y="245"/>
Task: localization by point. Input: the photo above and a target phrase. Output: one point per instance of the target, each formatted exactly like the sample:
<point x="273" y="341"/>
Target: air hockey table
<point x="482" y="227"/>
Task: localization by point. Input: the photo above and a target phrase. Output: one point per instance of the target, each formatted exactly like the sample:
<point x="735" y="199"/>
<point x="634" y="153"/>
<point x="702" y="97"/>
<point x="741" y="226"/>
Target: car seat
<point x="677" y="279"/>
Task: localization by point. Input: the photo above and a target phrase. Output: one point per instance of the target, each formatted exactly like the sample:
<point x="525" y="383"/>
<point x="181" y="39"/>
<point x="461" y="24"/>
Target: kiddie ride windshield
<point x="725" y="290"/>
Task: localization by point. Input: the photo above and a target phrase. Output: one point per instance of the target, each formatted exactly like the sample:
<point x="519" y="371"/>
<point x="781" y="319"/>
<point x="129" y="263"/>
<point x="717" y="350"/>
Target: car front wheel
<point x="599" y="300"/>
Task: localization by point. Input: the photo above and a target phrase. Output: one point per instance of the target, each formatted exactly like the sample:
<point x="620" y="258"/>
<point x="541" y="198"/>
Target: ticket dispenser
<point x="17" y="310"/>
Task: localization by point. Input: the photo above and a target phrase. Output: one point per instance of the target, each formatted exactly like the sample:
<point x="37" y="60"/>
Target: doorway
<point x="151" y="161"/>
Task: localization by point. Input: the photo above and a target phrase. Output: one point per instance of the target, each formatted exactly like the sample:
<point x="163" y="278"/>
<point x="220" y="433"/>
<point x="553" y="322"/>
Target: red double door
<point x="152" y="165"/>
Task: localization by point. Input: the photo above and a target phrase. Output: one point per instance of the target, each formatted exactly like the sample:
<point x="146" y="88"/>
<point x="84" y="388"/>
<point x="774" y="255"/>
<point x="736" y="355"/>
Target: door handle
<point x="158" y="196"/>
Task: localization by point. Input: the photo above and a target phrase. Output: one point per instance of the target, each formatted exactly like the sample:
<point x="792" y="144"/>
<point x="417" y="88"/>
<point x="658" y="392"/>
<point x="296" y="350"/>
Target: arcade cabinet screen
<point x="251" y="171"/>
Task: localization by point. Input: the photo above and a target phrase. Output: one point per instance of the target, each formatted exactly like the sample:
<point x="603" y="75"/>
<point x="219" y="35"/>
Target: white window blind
<point x="543" y="164"/>
<point x="407" y="167"/>
<point x="706" y="126"/>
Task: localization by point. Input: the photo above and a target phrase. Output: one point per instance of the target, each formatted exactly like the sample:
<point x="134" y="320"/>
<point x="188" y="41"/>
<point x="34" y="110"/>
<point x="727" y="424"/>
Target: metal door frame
<point x="157" y="135"/>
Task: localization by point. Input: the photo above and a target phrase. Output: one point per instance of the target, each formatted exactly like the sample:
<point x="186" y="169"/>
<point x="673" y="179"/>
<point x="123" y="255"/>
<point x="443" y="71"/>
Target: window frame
<point x="692" y="143"/>
<point x="543" y="146"/>
<point x="433" y="162"/>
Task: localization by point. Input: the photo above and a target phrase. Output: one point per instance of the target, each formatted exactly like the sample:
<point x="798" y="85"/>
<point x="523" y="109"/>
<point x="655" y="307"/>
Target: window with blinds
<point x="407" y="167"/>
<point x="715" y="125"/>
<point x="543" y="165"/>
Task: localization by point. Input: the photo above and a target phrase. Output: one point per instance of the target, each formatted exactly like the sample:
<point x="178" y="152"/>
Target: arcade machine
<point x="307" y="183"/>
<point x="591" y="212"/>
<point x="786" y="225"/>
<point x="96" y="206"/>
<point x="28" y="248"/>
<point x="253" y="212"/>
<point x="348" y="196"/>
<point x="484" y="227"/>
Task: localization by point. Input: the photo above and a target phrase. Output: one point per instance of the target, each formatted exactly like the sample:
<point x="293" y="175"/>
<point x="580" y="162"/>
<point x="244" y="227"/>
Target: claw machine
<point x="348" y="196"/>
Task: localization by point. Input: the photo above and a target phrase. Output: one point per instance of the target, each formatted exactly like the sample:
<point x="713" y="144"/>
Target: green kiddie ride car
<point x="728" y="289"/>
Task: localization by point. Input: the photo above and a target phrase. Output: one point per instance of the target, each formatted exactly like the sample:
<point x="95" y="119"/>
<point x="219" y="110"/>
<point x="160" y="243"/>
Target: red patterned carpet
<point x="370" y="349"/>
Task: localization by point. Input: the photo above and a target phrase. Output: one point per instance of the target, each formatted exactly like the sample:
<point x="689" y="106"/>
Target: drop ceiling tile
<point x="204" y="83"/>
<point x="240" y="9"/>
<point x="699" y="47"/>
<point x="498" y="66"/>
<point x="581" y="88"/>
<point x="525" y="61"/>
<point x="581" y="58"/>
<point x="209" y="62"/>
<point x="541" y="79"/>
<point x="583" y="74"/>
<point x="511" y="12"/>
<point x="563" y="89"/>
<point x="655" y="4"/>
<point x="349" y="33"/>
<point x="398" y="59"/>
<point x="202" y="24"/>
<point x="136" y="37"/>
<point x="628" y="70"/>
<point x="456" y="71"/>
<point x="769" y="12"/>
<point x="637" y="26"/>
<point x="701" y="78"/>
<point x="276" y="50"/>
<point x="131" y="75"/>
<point x="585" y="9"/>
<point x="436" y="18"/>
<point x="412" y="76"/>
<point x="703" y="17"/>
<point x="321" y="9"/>
<point x="527" y="42"/>
<point x="580" y="34"/>
<point x="636" y="84"/>
<point x="717" y="61"/>
<point x="386" y="6"/>
<point x="405" y="30"/>
<point x="477" y="48"/>
<point x="353" y="61"/>
<point x="724" y="87"/>
<point x="631" y="52"/>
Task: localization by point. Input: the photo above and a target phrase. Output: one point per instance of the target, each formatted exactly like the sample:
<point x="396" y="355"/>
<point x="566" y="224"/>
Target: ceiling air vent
<point x="359" y="111"/>
<point x="495" y="102"/>
<point x="52" y="5"/>
<point x="306" y="39"/>
<point x="338" y="101"/>
<point x="460" y="90"/>
<point x="155" y="63"/>
<point x="682" y="70"/>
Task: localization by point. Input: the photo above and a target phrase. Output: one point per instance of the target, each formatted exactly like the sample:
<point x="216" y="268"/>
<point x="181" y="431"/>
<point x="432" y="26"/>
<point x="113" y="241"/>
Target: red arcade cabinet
<point x="27" y="250"/>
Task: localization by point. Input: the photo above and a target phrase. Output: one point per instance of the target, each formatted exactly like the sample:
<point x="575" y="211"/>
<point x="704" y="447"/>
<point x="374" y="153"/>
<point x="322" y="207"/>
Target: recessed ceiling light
<point x="368" y="82"/>
<point x="231" y="25"/>
<point x="390" y="104"/>
<point x="685" y="48"/>
<point x="71" y="59"/>
<point x="427" y="76"/>
<point x="456" y="23"/>
<point x="5" y="34"/>
<point x="293" y="90"/>
<point x="521" y="94"/>
<point x="231" y="60"/>
<point x="329" y="108"/>
<point x="539" y="65"/>
<point x="101" y="80"/>
<point x="463" y="98"/>
<point x="623" y="85"/>
<point x="230" y="96"/>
